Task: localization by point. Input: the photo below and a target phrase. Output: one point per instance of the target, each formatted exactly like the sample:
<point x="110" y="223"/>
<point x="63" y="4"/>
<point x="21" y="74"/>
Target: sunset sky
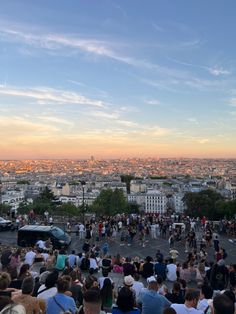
<point x="117" y="78"/>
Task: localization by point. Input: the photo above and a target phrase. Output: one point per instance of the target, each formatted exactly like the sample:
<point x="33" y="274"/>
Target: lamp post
<point x="83" y="207"/>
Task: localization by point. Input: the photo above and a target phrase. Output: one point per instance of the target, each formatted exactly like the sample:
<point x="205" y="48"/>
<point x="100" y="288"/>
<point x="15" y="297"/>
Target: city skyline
<point x="117" y="79"/>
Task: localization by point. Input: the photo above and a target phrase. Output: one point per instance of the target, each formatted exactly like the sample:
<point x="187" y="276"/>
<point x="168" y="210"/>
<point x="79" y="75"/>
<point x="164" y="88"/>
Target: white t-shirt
<point x="29" y="257"/>
<point x="183" y="309"/>
<point x="47" y="293"/>
<point x="171" y="272"/>
<point x="93" y="263"/>
<point x="137" y="287"/>
<point x="41" y="244"/>
<point x="202" y="304"/>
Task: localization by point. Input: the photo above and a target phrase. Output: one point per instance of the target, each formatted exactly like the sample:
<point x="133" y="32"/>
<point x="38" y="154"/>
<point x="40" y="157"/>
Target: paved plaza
<point x="137" y="249"/>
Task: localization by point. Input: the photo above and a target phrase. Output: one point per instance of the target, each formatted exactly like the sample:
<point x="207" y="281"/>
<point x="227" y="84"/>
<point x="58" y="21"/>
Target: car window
<point x="57" y="232"/>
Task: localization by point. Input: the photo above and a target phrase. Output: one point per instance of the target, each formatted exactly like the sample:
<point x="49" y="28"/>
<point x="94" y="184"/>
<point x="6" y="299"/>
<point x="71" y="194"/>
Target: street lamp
<point x="83" y="207"/>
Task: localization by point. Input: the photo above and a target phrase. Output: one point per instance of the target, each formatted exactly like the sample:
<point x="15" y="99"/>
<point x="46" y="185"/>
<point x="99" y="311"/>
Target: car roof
<point x="36" y="228"/>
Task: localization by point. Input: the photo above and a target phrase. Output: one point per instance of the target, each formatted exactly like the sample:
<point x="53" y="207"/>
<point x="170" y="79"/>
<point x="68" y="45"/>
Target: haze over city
<point x="117" y="79"/>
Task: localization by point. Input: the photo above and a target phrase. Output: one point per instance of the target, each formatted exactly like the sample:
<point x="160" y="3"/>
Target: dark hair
<point x="106" y="291"/>
<point x="63" y="284"/>
<point x="171" y="261"/>
<point x="223" y="304"/>
<point x="125" y="300"/>
<point x="230" y="295"/>
<point x="148" y="259"/>
<point x="51" y="279"/>
<point x="23" y="270"/>
<point x="169" y="310"/>
<point x="191" y="294"/>
<point x="159" y="280"/>
<point x="207" y="291"/>
<point x="27" y="286"/>
<point x="176" y="287"/>
<point x="183" y="283"/>
<point x="136" y="276"/>
<point x="92" y="296"/>
<point x="105" y="272"/>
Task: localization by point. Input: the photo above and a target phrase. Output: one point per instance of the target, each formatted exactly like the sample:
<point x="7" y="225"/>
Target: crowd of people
<point x="41" y="279"/>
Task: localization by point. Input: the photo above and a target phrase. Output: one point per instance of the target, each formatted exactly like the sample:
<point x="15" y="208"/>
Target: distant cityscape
<point x="156" y="185"/>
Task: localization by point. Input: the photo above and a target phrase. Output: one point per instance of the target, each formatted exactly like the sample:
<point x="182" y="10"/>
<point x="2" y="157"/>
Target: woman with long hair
<point x="125" y="302"/>
<point x="107" y="295"/>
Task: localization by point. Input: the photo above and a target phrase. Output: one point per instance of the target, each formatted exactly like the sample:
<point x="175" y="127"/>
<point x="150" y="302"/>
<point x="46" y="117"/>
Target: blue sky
<point x="117" y="78"/>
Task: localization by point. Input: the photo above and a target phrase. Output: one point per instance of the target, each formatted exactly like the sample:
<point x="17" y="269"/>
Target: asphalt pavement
<point x="137" y="249"/>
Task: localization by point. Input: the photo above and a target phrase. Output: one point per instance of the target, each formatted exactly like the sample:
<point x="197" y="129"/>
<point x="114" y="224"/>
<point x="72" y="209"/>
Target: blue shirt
<point x="67" y="303"/>
<point x="152" y="302"/>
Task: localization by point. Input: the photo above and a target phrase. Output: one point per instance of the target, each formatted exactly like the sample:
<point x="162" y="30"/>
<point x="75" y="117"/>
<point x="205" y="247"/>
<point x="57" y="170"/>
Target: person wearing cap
<point x="150" y="300"/>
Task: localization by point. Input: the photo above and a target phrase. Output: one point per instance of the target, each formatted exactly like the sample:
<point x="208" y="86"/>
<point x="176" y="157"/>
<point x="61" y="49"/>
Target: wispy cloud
<point x="18" y="125"/>
<point x="45" y="95"/>
<point x="55" y="120"/>
<point x="215" y="71"/>
<point x="193" y="121"/>
<point x="232" y="102"/>
<point x="153" y="102"/>
<point x="157" y="27"/>
<point x="54" y="42"/>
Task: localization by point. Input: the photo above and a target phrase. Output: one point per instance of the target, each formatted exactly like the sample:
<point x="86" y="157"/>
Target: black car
<point x="30" y="234"/>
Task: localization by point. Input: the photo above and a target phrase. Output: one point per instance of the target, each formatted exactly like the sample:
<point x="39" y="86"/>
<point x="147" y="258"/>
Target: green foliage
<point x="45" y="201"/>
<point x="68" y="209"/>
<point x="126" y="179"/>
<point x="4" y="209"/>
<point x="110" y="202"/>
<point x="23" y="182"/>
<point x="203" y="203"/>
<point x="158" y="177"/>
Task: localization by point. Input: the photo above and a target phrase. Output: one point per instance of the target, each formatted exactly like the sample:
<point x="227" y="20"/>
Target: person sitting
<point x="147" y="268"/>
<point x="125" y="302"/>
<point x="61" y="302"/>
<point x="190" y="304"/>
<point x="223" y="304"/>
<point x="206" y="293"/>
<point x="175" y="296"/>
<point x="150" y="300"/>
<point x="30" y="303"/>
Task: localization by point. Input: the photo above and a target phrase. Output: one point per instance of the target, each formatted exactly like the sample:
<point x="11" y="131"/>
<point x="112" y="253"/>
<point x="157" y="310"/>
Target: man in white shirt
<point x="190" y="304"/>
<point x="29" y="257"/>
<point x="205" y="299"/>
<point x="41" y="244"/>
<point x="171" y="271"/>
<point x="81" y="231"/>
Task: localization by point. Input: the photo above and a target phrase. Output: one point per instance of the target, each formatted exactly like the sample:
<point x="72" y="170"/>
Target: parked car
<point x="30" y="234"/>
<point x="5" y="224"/>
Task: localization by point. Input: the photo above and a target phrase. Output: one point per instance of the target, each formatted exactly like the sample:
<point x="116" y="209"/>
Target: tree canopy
<point x="110" y="202"/>
<point x="208" y="203"/>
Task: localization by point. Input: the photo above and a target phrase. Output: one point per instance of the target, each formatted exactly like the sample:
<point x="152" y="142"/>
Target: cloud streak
<point x="46" y="95"/>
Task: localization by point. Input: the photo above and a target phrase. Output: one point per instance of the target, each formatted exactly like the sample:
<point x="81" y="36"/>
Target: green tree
<point x="4" y="209"/>
<point x="202" y="203"/>
<point x="110" y="202"/>
<point x="69" y="209"/>
<point x="126" y="179"/>
<point x="45" y="201"/>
